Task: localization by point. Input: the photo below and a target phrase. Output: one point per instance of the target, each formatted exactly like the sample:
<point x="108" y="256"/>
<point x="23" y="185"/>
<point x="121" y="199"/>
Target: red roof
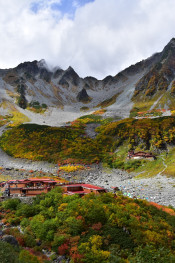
<point x="85" y="186"/>
<point x="18" y="181"/>
<point x="92" y="186"/>
<point x="41" y="180"/>
<point x="31" y="180"/>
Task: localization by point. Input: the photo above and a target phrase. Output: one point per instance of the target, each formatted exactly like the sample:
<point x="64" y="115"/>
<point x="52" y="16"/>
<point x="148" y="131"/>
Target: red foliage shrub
<point x="97" y="226"/>
<point x="63" y="249"/>
<point x="20" y="241"/>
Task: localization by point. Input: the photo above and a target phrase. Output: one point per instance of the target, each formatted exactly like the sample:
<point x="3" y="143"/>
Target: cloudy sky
<point x="95" y="37"/>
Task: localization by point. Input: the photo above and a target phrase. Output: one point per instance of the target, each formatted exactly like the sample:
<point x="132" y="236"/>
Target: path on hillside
<point x="164" y="164"/>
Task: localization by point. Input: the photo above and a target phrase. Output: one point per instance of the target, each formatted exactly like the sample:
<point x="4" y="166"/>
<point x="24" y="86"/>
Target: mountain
<point x="156" y="89"/>
<point x="147" y="85"/>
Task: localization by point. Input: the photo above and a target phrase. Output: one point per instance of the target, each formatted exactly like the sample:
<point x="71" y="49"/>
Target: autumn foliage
<point x="71" y="144"/>
<point x="104" y="228"/>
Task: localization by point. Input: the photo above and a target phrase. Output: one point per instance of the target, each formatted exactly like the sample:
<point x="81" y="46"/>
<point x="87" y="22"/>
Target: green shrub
<point x="7" y="253"/>
<point x="118" y="164"/>
<point x="11" y="204"/>
<point x="26" y="257"/>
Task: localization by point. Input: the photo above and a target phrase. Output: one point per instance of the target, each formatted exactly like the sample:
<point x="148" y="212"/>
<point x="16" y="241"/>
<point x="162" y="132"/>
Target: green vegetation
<point x="8" y="254"/>
<point x="102" y="228"/>
<point x="37" y="107"/>
<point x="52" y="144"/>
<point x="147" y="134"/>
<point x="91" y="118"/>
<point x="4" y="120"/>
<point x="114" y="140"/>
<point x="22" y="102"/>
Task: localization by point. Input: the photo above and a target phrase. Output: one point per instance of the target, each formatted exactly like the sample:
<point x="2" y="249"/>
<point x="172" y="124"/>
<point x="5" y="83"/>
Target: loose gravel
<point x="159" y="189"/>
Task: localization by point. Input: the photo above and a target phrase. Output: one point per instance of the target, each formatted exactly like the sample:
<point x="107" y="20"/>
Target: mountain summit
<point x="147" y="85"/>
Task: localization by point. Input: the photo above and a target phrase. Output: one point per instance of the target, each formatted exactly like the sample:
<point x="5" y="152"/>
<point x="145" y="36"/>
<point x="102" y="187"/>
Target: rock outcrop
<point x="83" y="96"/>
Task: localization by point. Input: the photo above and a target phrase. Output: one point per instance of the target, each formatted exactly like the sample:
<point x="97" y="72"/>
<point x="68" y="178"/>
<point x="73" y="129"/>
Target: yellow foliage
<point x="62" y="207"/>
<point x="99" y="112"/>
<point x="173" y="112"/>
<point x="152" y="236"/>
<point x="40" y="110"/>
<point x="96" y="241"/>
<point x="71" y="168"/>
<point x="18" y="118"/>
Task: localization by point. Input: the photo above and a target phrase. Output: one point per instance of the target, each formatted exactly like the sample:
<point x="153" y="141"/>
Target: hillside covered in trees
<point x="71" y="144"/>
<point x="104" y="228"/>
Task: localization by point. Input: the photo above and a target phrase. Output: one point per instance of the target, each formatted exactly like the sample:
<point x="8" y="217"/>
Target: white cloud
<point x="104" y="36"/>
<point x="75" y="4"/>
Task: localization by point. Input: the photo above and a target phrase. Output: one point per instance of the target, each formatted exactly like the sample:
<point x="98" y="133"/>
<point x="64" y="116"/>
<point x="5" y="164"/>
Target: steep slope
<point x="156" y="89"/>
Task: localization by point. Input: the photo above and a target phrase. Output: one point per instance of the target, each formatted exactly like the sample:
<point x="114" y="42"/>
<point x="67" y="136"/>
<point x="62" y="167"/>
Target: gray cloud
<point x="103" y="38"/>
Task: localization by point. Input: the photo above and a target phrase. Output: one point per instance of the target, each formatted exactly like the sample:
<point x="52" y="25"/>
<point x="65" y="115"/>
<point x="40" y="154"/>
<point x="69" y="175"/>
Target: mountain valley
<point x="117" y="133"/>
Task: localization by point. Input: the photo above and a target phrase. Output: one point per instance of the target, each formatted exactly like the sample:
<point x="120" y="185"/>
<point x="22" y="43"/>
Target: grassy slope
<point x="143" y="103"/>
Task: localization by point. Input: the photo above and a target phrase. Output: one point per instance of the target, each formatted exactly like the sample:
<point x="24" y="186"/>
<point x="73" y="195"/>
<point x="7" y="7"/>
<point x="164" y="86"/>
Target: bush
<point x="29" y="240"/>
<point x="11" y="204"/>
<point x="7" y="253"/>
<point x="151" y="255"/>
<point x="27" y="210"/>
<point x="118" y="164"/>
<point x="26" y="257"/>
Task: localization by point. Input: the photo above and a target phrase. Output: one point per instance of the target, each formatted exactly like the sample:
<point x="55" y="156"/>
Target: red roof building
<point x="28" y="187"/>
<point x="140" y="155"/>
<point x="33" y="187"/>
<point x="82" y="189"/>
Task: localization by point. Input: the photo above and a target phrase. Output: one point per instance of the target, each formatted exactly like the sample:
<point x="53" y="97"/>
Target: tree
<point x="26" y="257"/>
<point x="7" y="253"/>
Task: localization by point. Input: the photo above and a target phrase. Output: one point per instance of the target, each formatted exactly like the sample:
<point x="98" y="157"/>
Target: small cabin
<point x="140" y="155"/>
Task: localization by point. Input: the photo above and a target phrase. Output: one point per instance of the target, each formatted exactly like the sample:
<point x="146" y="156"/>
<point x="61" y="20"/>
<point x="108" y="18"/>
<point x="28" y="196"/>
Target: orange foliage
<point x="165" y="209"/>
<point x="63" y="249"/>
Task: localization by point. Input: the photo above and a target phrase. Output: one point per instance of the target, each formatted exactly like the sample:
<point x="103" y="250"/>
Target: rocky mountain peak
<point x="83" y="96"/>
<point x="160" y="76"/>
<point x="42" y="64"/>
<point x="70" y="69"/>
<point x="71" y="76"/>
<point x="169" y="49"/>
<point x="171" y="43"/>
<point x="29" y="67"/>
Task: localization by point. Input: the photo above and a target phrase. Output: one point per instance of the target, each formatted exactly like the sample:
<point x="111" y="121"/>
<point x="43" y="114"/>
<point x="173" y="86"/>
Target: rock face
<point x="161" y="74"/>
<point x="83" y="96"/>
<point x="11" y="240"/>
<point x="45" y="75"/>
<point x="56" y="87"/>
<point x="28" y="67"/>
<point x="72" y="76"/>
